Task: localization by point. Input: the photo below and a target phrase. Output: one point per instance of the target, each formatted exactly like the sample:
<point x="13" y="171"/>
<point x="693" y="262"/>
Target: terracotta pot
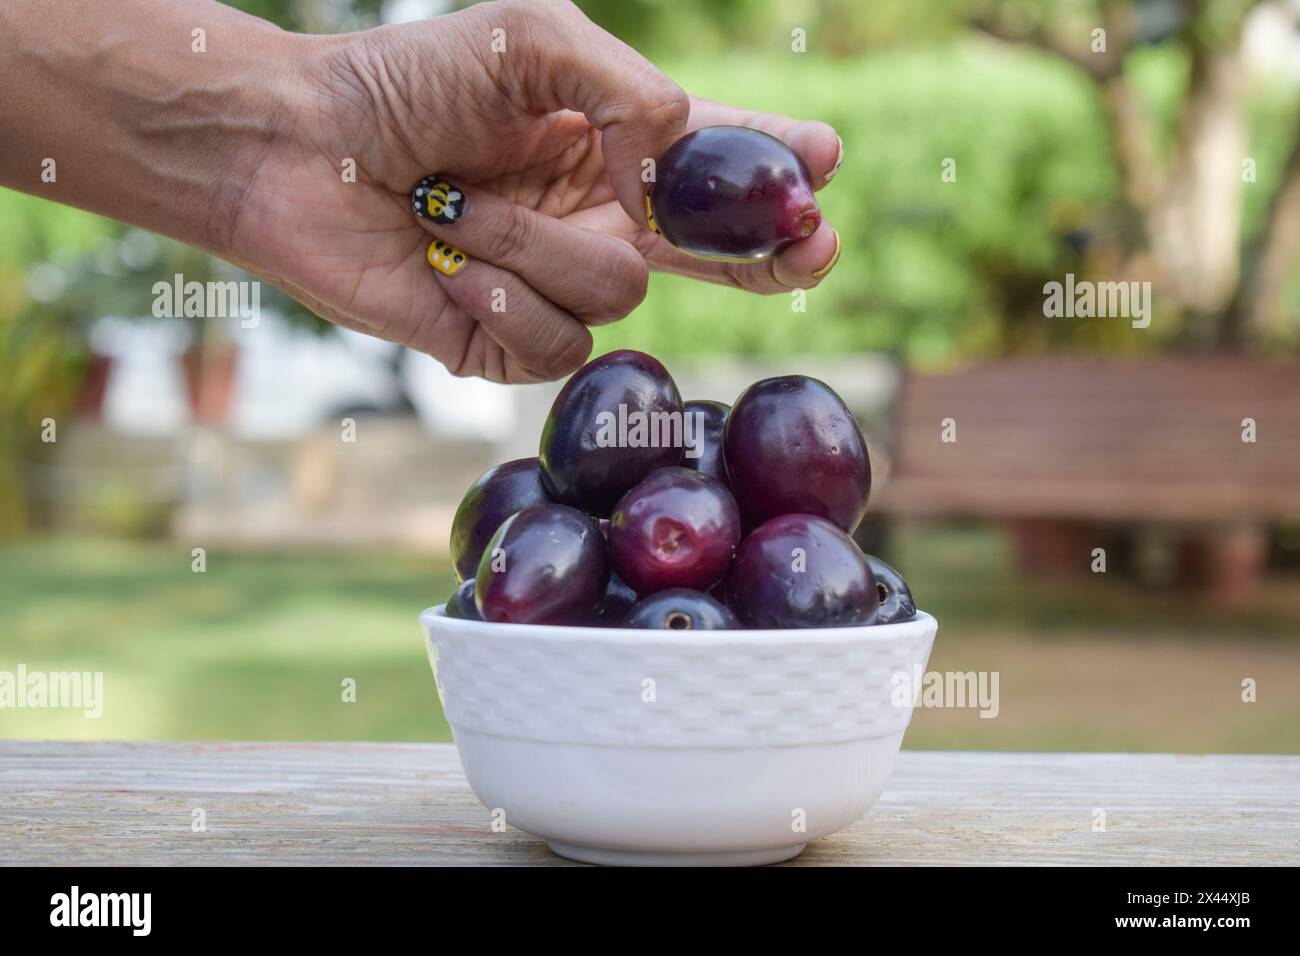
<point x="210" y="381"/>
<point x="1053" y="549"/>
<point x="94" y="386"/>
<point x="1225" y="563"/>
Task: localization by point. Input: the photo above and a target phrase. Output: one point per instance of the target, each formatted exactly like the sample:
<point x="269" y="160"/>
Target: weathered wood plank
<point x="133" y="804"/>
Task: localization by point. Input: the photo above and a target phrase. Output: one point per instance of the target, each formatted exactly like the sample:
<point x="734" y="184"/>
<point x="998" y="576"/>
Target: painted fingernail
<point x="650" y="215"/>
<point x="437" y="200"/>
<point x="839" y="161"/>
<point x="445" y="257"/>
<point x="835" y="257"/>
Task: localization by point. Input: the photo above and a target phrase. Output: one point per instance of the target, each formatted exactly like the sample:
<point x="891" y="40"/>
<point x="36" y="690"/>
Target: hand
<point x="238" y="144"/>
<point x="544" y="139"/>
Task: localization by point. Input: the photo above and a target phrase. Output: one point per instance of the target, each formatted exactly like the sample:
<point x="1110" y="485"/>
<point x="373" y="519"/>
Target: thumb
<point x="574" y="64"/>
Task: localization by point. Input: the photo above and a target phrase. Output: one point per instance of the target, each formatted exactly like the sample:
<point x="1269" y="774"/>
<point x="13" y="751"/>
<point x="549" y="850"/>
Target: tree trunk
<point x="1257" y="305"/>
<point x="1196" y="227"/>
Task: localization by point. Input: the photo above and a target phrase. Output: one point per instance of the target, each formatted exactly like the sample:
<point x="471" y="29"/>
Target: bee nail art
<point x="436" y="199"/>
<point x="445" y="257"/>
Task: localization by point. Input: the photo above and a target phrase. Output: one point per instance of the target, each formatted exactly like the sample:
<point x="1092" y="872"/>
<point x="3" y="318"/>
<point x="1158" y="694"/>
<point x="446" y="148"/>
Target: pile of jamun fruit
<point x="644" y="511"/>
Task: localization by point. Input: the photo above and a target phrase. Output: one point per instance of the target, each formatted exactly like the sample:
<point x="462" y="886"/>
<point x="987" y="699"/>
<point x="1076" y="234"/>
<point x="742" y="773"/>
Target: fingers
<point x="801" y="265"/>
<point x="596" y="277"/>
<point x="804" y="264"/>
<point x="537" y="336"/>
<point x="639" y="111"/>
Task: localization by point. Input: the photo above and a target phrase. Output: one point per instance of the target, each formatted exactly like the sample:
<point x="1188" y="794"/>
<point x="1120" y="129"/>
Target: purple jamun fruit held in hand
<point x="704" y="424"/>
<point x="617" y="419"/>
<point x="801" y="571"/>
<point x="676" y="529"/>
<point x="681" y="609"/>
<point x="498" y="493"/>
<point x="895" y="596"/>
<point x="733" y="193"/>
<point x="546" y="564"/>
<point x="793" y="447"/>
<point x="461" y="603"/>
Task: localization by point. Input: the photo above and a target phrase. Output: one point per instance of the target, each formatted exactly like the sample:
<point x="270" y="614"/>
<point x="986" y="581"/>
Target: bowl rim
<point x="644" y="636"/>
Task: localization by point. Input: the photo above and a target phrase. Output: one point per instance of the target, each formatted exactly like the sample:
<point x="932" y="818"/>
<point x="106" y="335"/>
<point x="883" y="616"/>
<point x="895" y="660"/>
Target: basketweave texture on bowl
<point x="669" y="689"/>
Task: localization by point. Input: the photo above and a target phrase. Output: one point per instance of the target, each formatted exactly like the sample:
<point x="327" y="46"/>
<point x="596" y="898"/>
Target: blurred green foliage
<point x="928" y="267"/>
<point x="934" y="270"/>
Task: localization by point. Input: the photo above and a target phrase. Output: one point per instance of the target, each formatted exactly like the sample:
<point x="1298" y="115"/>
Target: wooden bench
<point x="131" y="804"/>
<point x="1057" y="448"/>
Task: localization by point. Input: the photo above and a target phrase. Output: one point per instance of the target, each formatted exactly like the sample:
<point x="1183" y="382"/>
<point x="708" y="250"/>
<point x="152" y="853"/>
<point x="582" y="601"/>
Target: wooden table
<point x="135" y="803"/>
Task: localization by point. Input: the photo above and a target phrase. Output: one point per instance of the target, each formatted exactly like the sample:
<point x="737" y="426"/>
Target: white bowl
<point x="670" y="747"/>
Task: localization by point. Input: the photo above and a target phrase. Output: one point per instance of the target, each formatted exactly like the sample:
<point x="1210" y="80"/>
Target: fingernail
<point x="835" y="257"/>
<point x="839" y="161"/>
<point x="650" y="215"/>
<point x="445" y="257"/>
<point x="437" y="200"/>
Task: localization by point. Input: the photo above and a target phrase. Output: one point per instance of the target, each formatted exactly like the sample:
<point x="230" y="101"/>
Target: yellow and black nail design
<point x="445" y="257"/>
<point x="650" y="214"/>
<point x="436" y="199"/>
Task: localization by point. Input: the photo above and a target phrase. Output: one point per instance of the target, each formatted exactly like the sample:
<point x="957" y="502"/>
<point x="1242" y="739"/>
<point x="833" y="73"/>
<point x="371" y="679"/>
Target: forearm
<point x="116" y="107"/>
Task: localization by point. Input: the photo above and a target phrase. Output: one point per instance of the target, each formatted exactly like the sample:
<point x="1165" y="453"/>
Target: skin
<point x="239" y="150"/>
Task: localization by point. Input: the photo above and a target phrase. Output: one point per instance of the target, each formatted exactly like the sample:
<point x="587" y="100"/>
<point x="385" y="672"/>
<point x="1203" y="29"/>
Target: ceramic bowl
<point x="676" y="748"/>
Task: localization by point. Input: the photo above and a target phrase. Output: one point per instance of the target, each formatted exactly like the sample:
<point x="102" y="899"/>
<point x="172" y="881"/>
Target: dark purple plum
<point x="704" y="423"/>
<point x="618" y="600"/>
<point x="681" y="609"/>
<point x="801" y="571"/>
<point x="894" y="595"/>
<point x="617" y="419"/>
<point x="498" y="493"/>
<point x="547" y="564"/>
<point x="793" y="447"/>
<point x="461" y="603"/>
<point x="734" y="193"/>
<point x="675" y="529"/>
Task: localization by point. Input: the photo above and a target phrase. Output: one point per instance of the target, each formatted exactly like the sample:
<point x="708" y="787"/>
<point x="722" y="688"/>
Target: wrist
<point x="160" y="116"/>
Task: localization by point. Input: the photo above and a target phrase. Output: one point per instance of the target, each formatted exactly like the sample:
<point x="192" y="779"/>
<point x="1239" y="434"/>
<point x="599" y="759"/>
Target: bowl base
<point x="611" y="857"/>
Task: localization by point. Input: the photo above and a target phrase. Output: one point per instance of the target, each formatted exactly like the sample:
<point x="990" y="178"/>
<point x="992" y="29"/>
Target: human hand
<point x="219" y="129"/>
<point x="544" y="139"/>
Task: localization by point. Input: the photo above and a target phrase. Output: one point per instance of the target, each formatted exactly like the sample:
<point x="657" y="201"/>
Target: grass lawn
<point x="258" y="648"/>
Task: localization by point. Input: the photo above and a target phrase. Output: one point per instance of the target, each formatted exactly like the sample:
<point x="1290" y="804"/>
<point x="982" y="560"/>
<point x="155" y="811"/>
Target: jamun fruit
<point x="676" y="529"/>
<point x="732" y="193"/>
<point x="793" y="447"/>
<point x="705" y="422"/>
<point x="498" y="493"/>
<point x="461" y="603"/>
<point x="617" y="419"/>
<point x="895" y="596"/>
<point x="800" y="570"/>
<point x="681" y="609"/>
<point x="546" y="564"/>
<point x="618" y="600"/>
